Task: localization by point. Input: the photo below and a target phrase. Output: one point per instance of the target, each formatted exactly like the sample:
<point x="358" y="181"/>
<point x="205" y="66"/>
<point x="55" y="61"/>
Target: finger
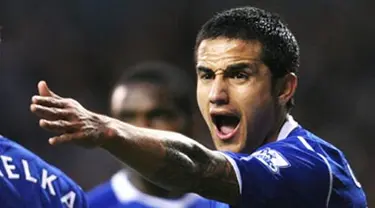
<point x="48" y="101"/>
<point x="45" y="91"/>
<point x="64" y="138"/>
<point x="51" y="113"/>
<point x="60" y="126"/>
<point x="77" y="138"/>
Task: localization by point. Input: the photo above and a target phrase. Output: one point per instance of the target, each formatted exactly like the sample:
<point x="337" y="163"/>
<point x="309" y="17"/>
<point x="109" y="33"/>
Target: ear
<point x="288" y="88"/>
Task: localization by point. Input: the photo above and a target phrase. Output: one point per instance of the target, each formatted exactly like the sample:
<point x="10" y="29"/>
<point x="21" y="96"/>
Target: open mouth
<point x="226" y="125"/>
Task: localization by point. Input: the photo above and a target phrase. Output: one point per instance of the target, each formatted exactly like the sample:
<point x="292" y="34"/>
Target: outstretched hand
<point x="69" y="119"/>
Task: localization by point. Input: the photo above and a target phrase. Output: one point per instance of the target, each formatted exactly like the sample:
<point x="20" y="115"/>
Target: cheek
<point x="254" y="95"/>
<point x="254" y="102"/>
<point x="176" y="124"/>
<point x="202" y="99"/>
<point x="257" y="107"/>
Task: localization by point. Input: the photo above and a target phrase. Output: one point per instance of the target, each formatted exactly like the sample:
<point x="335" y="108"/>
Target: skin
<point x="232" y="78"/>
<point x="148" y="106"/>
<point x="171" y="160"/>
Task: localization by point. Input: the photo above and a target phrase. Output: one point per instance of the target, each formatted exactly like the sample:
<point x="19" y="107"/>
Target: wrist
<point x="108" y="131"/>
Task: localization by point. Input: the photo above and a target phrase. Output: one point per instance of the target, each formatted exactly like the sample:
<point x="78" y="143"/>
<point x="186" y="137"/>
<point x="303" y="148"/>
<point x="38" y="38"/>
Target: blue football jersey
<point x="298" y="170"/>
<point x="28" y="181"/>
<point x="119" y="192"/>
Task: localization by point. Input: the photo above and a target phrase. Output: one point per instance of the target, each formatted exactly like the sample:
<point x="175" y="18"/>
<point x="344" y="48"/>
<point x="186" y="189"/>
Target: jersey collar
<point x="289" y="125"/>
<point x="126" y="193"/>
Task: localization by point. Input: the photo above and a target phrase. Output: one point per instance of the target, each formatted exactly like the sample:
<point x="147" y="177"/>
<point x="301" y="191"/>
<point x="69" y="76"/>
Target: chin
<point x="230" y="147"/>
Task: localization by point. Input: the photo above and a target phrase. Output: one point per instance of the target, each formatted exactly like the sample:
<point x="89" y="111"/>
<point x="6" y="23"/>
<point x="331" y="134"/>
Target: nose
<point x="219" y="92"/>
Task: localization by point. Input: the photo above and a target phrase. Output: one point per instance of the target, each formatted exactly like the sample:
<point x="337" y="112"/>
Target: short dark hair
<point x="280" y="50"/>
<point x="171" y="78"/>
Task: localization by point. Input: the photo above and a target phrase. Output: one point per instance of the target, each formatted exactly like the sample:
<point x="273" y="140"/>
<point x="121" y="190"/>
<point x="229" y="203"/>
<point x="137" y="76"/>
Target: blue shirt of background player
<point x="119" y="192"/>
<point x="28" y="181"/>
<point x="298" y="170"/>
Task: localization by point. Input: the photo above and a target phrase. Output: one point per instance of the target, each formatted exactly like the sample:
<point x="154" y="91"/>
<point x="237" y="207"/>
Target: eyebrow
<point x="238" y="66"/>
<point x="233" y="67"/>
<point x="203" y="69"/>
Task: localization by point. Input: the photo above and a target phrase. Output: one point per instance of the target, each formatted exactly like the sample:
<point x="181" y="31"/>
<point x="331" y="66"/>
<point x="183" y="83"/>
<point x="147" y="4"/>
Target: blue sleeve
<point x="102" y="196"/>
<point x="281" y="175"/>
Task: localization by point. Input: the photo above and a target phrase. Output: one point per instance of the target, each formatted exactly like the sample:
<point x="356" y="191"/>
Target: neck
<point x="149" y="188"/>
<point x="273" y="134"/>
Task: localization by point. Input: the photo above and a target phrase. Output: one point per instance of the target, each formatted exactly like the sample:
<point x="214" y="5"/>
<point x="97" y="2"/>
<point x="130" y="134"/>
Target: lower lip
<point x="226" y="136"/>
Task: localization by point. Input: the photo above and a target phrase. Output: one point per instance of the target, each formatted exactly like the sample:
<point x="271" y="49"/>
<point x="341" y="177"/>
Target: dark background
<point x="81" y="46"/>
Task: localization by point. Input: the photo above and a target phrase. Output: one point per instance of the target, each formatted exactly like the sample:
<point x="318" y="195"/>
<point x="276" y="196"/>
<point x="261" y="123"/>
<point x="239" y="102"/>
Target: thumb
<point x="44" y="90"/>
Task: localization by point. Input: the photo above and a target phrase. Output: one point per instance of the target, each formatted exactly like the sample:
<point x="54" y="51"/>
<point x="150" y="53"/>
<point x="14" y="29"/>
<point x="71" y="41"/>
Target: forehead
<point x="139" y="97"/>
<point x="220" y="52"/>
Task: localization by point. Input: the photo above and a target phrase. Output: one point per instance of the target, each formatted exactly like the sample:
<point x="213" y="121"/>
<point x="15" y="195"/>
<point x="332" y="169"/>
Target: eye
<point x="206" y="75"/>
<point x="161" y="114"/>
<point x="238" y="75"/>
<point x="127" y="116"/>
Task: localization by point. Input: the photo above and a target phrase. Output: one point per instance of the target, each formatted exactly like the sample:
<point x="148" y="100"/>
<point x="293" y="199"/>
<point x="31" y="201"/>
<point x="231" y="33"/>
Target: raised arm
<point x="171" y="160"/>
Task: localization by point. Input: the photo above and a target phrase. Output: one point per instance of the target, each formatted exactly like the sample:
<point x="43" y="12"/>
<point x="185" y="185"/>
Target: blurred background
<point x="80" y="47"/>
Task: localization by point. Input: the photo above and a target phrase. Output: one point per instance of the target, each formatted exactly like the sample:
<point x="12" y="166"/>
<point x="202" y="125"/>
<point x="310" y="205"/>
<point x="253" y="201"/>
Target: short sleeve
<point x="281" y="175"/>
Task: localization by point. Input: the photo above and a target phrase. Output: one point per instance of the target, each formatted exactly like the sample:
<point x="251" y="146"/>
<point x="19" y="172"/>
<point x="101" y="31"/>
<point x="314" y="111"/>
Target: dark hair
<point x="169" y="77"/>
<point x="280" y="50"/>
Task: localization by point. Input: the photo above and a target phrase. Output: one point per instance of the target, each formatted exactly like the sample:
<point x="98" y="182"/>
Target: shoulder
<point x="100" y="190"/>
<point x="282" y="170"/>
<point x="27" y="162"/>
<point x="115" y="191"/>
<point x="289" y="154"/>
<point x="102" y="195"/>
<point x="24" y="172"/>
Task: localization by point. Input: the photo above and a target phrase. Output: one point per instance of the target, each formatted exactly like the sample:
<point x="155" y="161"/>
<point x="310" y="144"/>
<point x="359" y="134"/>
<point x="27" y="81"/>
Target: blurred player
<point x="28" y="181"/>
<point x="247" y="60"/>
<point x="150" y="95"/>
